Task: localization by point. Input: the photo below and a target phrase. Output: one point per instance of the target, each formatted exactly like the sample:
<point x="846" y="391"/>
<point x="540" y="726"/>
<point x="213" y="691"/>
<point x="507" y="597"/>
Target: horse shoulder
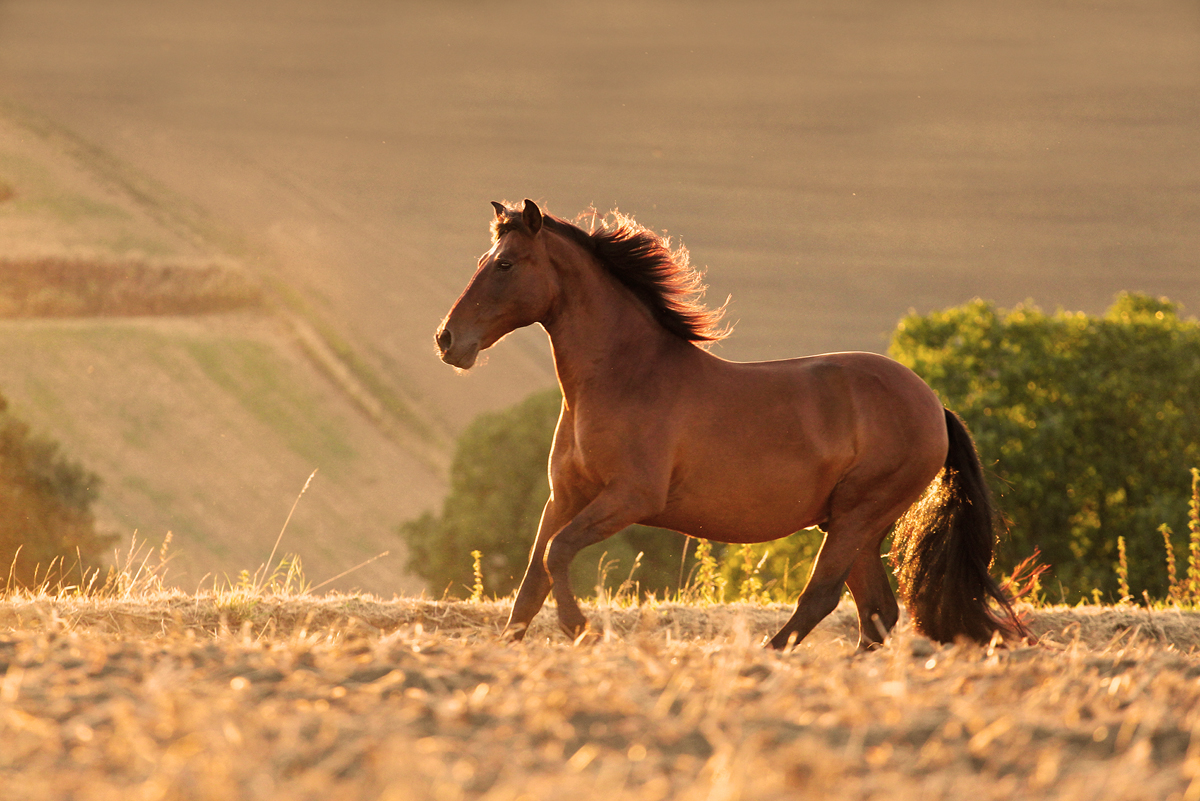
<point x="605" y="440"/>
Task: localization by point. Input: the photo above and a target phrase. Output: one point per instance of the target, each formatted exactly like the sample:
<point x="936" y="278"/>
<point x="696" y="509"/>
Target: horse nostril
<point x="444" y="338"/>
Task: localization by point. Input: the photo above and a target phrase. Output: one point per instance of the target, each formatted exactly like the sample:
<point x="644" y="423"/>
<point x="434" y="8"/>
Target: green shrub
<point x="1090" y="425"/>
<point x="770" y="571"/>
<point x="45" y="511"/>
<point x="498" y="486"/>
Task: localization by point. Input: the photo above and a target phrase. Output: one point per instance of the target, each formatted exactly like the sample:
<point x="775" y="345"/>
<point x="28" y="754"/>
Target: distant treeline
<point x="56" y="287"/>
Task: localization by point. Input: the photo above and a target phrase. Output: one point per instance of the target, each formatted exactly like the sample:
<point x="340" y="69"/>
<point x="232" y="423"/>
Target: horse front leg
<point x="608" y="513"/>
<point x="535" y="586"/>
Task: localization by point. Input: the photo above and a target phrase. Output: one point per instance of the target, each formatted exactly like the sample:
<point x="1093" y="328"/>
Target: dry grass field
<point x="833" y="164"/>
<point x="221" y="696"/>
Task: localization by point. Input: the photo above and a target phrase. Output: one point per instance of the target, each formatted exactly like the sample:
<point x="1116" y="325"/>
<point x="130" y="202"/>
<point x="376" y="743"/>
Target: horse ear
<point x="501" y="212"/>
<point x="532" y="216"/>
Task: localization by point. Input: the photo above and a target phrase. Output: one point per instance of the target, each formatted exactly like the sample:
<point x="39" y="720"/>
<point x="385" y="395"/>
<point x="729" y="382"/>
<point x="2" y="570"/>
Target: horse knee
<point x="558" y="557"/>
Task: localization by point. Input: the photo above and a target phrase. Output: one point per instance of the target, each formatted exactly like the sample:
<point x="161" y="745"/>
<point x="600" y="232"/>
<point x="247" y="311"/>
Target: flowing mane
<point x="644" y="262"/>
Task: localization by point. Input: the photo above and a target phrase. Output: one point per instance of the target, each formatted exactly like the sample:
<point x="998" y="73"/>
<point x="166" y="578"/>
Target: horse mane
<point x="659" y="276"/>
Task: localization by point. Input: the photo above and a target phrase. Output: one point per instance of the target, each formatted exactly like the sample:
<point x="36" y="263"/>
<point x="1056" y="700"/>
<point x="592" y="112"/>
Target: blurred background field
<point x="834" y="165"/>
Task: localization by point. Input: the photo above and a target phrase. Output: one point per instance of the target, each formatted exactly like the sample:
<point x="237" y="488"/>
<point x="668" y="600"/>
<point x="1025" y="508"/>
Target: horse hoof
<point x="785" y="644"/>
<point x="514" y="634"/>
<point x="584" y="636"/>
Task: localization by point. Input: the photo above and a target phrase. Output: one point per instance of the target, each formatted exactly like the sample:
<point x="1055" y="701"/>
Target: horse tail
<point x="942" y="552"/>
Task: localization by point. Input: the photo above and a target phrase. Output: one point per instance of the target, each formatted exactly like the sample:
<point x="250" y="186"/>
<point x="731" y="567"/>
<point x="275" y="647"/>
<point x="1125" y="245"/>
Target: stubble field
<point x="349" y="697"/>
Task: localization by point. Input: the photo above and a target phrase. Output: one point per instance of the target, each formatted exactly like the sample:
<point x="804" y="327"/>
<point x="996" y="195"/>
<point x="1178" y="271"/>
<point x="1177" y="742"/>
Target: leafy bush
<point x="1091" y="424"/>
<point x="45" y="511"/>
<point x="498" y="486"/>
<point x="769" y="571"/>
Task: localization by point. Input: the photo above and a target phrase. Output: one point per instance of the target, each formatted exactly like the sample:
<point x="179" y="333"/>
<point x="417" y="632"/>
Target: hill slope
<point x="208" y="424"/>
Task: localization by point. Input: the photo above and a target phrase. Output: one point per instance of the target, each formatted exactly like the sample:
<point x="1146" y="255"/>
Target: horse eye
<point x="504" y="265"/>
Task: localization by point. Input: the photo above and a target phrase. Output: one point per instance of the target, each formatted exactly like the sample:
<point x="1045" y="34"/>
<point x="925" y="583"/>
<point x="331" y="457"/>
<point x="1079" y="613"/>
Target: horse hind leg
<point x="873" y="596"/>
<point x="849" y="555"/>
<point x="821" y="594"/>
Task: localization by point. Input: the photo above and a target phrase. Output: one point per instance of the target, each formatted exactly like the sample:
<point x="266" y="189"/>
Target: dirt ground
<point x="833" y="163"/>
<point x="350" y="697"/>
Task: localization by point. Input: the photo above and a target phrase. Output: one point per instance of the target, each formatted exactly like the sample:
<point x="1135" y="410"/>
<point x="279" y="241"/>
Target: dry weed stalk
<point x="477" y="570"/>
<point x="1123" y="572"/>
<point x="1174" y="590"/>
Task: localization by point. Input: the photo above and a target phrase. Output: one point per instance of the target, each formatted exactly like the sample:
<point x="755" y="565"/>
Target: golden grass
<point x="174" y="696"/>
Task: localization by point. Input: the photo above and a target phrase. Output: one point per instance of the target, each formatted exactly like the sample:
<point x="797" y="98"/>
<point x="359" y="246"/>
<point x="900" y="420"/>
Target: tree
<point x="47" y="530"/>
<point x="498" y="486"/>
<point x="1090" y="423"/>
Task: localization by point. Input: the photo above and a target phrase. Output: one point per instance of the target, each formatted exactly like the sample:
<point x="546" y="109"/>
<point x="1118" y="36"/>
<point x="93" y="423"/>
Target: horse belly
<point x="757" y="506"/>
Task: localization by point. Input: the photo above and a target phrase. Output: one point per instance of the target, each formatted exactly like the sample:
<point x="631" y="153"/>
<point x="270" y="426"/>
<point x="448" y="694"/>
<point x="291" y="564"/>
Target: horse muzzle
<point x="454" y="351"/>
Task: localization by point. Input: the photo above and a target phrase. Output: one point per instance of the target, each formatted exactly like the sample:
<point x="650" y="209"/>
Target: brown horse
<point x="656" y="430"/>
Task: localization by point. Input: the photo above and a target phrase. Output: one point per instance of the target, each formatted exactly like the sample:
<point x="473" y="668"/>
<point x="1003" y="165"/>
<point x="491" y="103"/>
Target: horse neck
<point x="599" y="331"/>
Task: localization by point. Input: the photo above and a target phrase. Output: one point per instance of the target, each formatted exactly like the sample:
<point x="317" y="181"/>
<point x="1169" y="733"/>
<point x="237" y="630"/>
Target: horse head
<point x="514" y="286"/>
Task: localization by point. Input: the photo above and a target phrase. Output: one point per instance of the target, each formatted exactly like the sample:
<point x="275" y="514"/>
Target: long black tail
<point x="942" y="552"/>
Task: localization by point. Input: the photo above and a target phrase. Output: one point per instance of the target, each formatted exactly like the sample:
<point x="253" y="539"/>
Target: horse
<point x="655" y="429"/>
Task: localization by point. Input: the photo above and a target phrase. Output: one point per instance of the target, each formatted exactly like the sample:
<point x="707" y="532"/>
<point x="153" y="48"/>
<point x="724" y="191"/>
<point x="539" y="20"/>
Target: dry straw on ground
<point x="349" y="697"/>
